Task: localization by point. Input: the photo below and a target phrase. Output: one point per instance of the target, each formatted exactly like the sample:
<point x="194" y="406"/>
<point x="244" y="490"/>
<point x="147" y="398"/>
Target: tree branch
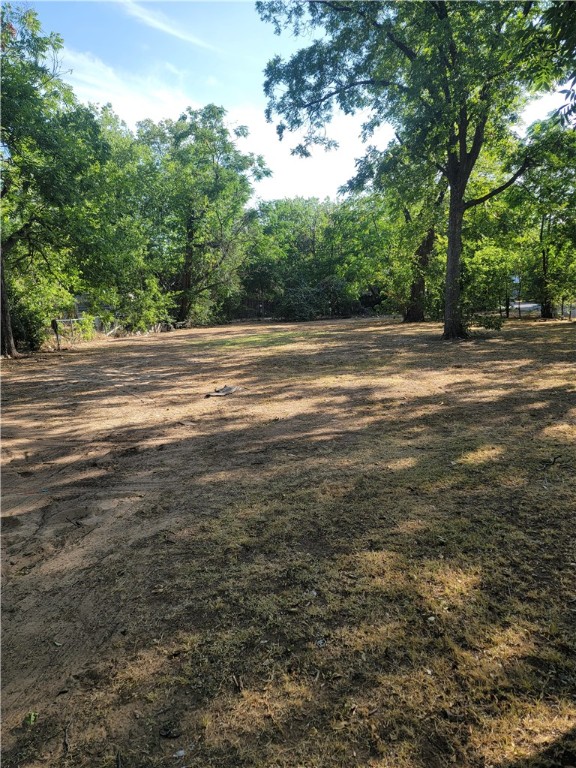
<point x="15" y="237"/>
<point x="352" y="8"/>
<point x="462" y="132"/>
<point x="408" y="52"/>
<point x="6" y="184"/>
<point x="344" y="88"/>
<point x="501" y="188"/>
<point x="440" y="9"/>
<point x="441" y="195"/>
<point x="477" y="141"/>
<point x="443" y="170"/>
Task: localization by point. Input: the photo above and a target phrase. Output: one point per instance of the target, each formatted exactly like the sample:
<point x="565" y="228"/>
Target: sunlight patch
<point x="397" y="465"/>
<point x="447" y="587"/>
<point x="482" y="455"/>
<point x="232" y="720"/>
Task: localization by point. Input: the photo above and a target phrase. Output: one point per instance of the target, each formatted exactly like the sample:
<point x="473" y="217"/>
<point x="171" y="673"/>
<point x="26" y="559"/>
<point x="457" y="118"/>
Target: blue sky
<point x="153" y="59"/>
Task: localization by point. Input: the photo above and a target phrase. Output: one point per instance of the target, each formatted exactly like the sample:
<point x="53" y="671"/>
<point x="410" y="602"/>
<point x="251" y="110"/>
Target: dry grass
<point x="365" y="557"/>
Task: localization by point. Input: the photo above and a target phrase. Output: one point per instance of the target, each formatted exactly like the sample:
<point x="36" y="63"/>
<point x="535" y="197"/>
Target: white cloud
<point x="174" y="70"/>
<point x="318" y="176"/>
<point x="133" y="97"/>
<point x="137" y="97"/>
<point x="157" y="20"/>
<point x="540" y="108"/>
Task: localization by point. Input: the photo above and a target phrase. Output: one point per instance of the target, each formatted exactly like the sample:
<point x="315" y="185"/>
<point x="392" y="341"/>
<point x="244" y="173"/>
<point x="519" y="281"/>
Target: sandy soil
<point x="230" y="581"/>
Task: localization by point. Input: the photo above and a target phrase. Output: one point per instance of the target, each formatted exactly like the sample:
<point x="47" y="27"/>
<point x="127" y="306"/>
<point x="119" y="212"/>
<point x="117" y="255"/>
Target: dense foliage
<point x="450" y="78"/>
<point x="156" y="225"/>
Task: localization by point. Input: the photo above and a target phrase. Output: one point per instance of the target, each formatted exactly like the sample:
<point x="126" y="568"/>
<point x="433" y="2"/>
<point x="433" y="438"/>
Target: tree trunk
<point x="8" y="347"/>
<point x="416" y="307"/>
<point x="453" y="324"/>
<point x="185" y="278"/>
<point x="546" y="305"/>
<point x="184" y="303"/>
<point x="547" y="310"/>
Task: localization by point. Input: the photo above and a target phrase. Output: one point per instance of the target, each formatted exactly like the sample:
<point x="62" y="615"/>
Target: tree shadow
<point x="357" y="580"/>
<point x="560" y="754"/>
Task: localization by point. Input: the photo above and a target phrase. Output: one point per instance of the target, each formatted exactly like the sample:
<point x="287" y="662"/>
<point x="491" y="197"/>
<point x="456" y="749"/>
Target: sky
<point x="154" y="59"/>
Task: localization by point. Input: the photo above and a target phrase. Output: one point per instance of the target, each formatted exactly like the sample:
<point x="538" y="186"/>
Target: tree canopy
<point x="449" y="77"/>
<point x="52" y="149"/>
<point x="459" y="215"/>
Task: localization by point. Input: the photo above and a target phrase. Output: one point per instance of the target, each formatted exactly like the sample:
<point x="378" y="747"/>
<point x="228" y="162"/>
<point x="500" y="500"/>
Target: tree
<point x="493" y="257"/>
<point x="261" y="280"/>
<point x="310" y="258"/>
<point x="375" y="244"/>
<point x="201" y="184"/>
<point x="448" y="76"/>
<point x="112" y="233"/>
<point x="547" y="200"/>
<point x="414" y="188"/>
<point x="295" y="258"/>
<point x="560" y="20"/>
<point x="50" y="146"/>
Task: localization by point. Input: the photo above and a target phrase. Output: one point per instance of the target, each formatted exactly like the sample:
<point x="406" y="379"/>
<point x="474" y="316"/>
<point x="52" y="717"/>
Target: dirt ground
<point x="364" y="556"/>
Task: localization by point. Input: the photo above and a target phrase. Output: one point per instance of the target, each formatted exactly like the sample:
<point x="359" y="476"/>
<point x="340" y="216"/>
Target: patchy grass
<point x="365" y="557"/>
<point x="272" y="337"/>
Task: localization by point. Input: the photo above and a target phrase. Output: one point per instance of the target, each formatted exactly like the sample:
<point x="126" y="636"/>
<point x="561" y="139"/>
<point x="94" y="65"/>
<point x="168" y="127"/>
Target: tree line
<point x="457" y="217"/>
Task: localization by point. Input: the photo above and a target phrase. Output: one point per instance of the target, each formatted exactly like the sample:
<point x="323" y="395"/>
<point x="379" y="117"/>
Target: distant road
<point x="527" y="307"/>
<point x="524" y="306"/>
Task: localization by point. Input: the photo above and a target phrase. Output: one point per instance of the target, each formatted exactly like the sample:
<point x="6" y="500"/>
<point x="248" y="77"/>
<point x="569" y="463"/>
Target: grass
<point x="258" y="341"/>
<point x="365" y="559"/>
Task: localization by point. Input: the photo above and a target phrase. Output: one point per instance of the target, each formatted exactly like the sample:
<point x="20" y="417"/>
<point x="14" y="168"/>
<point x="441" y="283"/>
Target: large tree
<point x="547" y="202"/>
<point x="560" y="20"/>
<point x="449" y="76"/>
<point x="119" y="278"/>
<point x="413" y="187"/>
<point x="201" y="183"/>
<point x="293" y="267"/>
<point x="51" y="150"/>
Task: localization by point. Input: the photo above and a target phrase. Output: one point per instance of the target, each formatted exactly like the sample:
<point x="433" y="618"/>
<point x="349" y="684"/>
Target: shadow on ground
<point x="363" y="557"/>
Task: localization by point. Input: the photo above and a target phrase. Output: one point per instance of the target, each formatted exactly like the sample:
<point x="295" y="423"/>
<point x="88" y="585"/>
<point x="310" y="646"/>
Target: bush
<point x="28" y="327"/>
<point x="490" y="322"/>
<point x="85" y="327"/>
<point x="34" y="302"/>
<point x="143" y="307"/>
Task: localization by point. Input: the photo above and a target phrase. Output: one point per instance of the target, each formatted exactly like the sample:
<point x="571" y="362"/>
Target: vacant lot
<point x="364" y="556"/>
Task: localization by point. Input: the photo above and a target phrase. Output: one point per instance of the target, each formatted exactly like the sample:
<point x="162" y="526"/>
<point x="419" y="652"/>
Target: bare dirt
<point x="364" y="556"/>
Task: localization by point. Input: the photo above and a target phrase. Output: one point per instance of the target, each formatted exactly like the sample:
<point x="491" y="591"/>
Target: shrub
<point x="28" y="327"/>
<point x="490" y="322"/>
<point x="85" y="327"/>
